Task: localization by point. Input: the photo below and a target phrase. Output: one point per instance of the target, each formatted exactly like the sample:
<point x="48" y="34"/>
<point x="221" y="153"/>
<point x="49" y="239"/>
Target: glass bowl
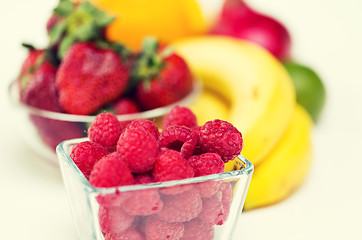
<point x="43" y="130"/>
<point x="217" y="203"/>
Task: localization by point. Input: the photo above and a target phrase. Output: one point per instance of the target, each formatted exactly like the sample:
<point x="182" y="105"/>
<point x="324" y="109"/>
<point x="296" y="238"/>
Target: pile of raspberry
<point x="138" y="153"/>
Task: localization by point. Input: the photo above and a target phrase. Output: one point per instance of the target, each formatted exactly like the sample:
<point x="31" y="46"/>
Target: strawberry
<point x="125" y="105"/>
<point x="161" y="76"/>
<point x="89" y="77"/>
<point x="122" y="106"/>
<point x="38" y="89"/>
<point x="52" y="22"/>
<point x="37" y="81"/>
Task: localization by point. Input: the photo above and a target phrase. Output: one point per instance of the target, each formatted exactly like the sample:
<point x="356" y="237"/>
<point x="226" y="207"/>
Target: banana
<point x="209" y="106"/>
<point x="287" y="165"/>
<point x="257" y="88"/>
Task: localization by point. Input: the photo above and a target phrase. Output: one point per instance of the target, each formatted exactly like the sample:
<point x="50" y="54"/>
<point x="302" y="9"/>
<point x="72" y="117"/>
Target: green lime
<point x="310" y="90"/>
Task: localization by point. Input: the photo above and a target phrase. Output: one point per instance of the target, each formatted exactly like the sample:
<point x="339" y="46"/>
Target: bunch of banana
<point x="245" y="85"/>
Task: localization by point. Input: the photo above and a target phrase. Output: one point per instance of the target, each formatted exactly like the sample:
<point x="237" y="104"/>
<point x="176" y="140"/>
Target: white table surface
<point x="327" y="35"/>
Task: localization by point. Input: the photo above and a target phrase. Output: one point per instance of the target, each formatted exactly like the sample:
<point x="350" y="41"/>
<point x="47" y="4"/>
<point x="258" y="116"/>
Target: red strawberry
<point x="125" y="106"/>
<point x="162" y="76"/>
<point x="38" y="89"/>
<point x="90" y="77"/>
<point x="37" y="81"/>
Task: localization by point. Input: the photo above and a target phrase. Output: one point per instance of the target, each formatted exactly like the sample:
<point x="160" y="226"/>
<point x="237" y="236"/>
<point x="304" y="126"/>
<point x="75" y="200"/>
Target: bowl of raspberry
<point x="56" y="96"/>
<point x="139" y="182"/>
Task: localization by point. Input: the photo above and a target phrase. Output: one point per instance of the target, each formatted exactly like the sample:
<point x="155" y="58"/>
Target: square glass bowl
<point x="209" y="205"/>
<point x="43" y="130"/>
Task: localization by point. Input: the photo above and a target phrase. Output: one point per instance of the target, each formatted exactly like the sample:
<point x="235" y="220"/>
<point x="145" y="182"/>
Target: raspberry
<point x="86" y="154"/>
<point x="182" y="207"/>
<point x="113" y="199"/>
<point x="111" y="171"/>
<point x="170" y="165"/>
<point x="143" y="202"/>
<point x="179" y="138"/>
<point x="105" y="130"/>
<point x="217" y="208"/>
<point x="138" y="149"/>
<point x="113" y="219"/>
<point x="143" y="178"/>
<point x="227" y="195"/>
<point x="140" y="224"/>
<point x="157" y="229"/>
<point x="176" y="189"/>
<point x="184" y="172"/>
<point x="198" y="150"/>
<point x="206" y="164"/>
<point x="180" y="116"/>
<point x="129" y="234"/>
<point x="221" y="137"/>
<point x="208" y="189"/>
<point x="148" y="125"/>
<point x="196" y="229"/>
<point x="212" y="210"/>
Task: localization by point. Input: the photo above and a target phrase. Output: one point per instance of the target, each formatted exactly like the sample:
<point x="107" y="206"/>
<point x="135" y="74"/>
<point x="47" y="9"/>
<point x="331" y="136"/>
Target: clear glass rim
<point x="247" y="169"/>
<point x="157" y="112"/>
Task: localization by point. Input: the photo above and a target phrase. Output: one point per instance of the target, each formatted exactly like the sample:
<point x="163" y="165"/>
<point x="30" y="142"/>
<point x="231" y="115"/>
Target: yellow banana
<point x="287" y="165"/>
<point x="209" y="106"/>
<point x="256" y="86"/>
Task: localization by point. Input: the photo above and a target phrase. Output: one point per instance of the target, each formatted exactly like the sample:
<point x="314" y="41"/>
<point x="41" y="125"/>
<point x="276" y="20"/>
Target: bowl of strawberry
<point x="60" y="88"/>
<point x="139" y="182"/>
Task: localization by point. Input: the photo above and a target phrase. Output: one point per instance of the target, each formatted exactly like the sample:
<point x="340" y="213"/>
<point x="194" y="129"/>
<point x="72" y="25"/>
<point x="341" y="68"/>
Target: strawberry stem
<point x="123" y="51"/>
<point x="149" y="63"/>
<point x="28" y="46"/>
<point x="76" y="22"/>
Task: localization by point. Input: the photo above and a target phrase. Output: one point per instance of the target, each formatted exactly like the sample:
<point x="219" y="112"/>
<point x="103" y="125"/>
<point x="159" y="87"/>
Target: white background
<point x="327" y="35"/>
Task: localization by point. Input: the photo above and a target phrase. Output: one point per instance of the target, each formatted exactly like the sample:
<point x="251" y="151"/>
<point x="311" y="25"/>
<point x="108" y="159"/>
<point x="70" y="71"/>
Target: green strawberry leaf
<point x="64" y="8"/>
<point x="101" y="19"/>
<point x="64" y="45"/>
<point x="166" y="52"/>
<point x="149" y="46"/>
<point x="81" y="22"/>
<point x="56" y="32"/>
<point x="149" y="63"/>
<point x="120" y="49"/>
